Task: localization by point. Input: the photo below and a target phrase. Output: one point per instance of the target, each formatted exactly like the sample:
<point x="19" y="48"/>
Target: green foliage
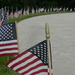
<point x="5" y="70"/>
<point x="37" y="3"/>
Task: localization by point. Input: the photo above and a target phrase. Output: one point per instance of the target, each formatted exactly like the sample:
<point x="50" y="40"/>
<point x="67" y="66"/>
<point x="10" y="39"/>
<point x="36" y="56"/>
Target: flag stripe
<point x="8" y="49"/>
<point x="21" y="61"/>
<point x="43" y="70"/>
<point x="27" y="64"/>
<point x="13" y="46"/>
<point x="8" y="44"/>
<point x="7" y="54"/>
<point x="18" y="58"/>
<point x="34" y="67"/>
<point x="22" y="64"/>
<point x="40" y="69"/>
<point x="14" y="51"/>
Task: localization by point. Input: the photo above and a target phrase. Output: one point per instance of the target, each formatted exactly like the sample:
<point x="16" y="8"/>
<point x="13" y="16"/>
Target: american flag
<point x="11" y="15"/>
<point x="27" y="12"/>
<point x="33" y="61"/>
<point x="16" y="14"/>
<point x="33" y="11"/>
<point x="24" y="12"/>
<point x="8" y="40"/>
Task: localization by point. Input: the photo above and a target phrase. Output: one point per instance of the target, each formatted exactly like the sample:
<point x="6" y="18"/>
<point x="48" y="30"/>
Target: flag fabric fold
<point x="33" y="61"/>
<point x="8" y="40"/>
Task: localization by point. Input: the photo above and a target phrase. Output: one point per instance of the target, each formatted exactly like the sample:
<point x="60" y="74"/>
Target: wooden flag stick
<point x="5" y="9"/>
<point x="49" y="49"/>
<point x="2" y="12"/>
<point x="17" y="36"/>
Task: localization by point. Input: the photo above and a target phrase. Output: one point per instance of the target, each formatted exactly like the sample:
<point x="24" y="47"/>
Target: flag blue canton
<point x="8" y="32"/>
<point x="40" y="50"/>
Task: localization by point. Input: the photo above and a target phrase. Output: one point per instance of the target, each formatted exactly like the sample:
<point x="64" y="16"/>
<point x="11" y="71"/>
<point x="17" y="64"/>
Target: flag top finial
<point x="47" y="30"/>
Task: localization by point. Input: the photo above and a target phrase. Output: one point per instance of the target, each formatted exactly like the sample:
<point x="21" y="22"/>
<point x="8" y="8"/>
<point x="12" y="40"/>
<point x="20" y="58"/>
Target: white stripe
<point x="12" y="46"/>
<point x="22" y="64"/>
<point x="5" y="42"/>
<point x="18" y="59"/>
<point x="12" y="51"/>
<point x="30" y="66"/>
<point x="37" y="69"/>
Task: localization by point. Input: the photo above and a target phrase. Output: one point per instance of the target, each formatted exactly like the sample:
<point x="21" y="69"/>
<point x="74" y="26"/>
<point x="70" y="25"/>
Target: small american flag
<point x="16" y="14"/>
<point x="33" y="61"/>
<point x="8" y="40"/>
<point x="11" y="15"/>
<point x="33" y="11"/>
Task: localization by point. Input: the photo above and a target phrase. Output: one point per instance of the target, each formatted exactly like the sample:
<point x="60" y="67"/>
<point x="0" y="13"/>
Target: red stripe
<point x="8" y="49"/>
<point x="43" y="70"/>
<point x="28" y="64"/>
<point x="34" y="67"/>
<point x="8" y="54"/>
<point x="8" y="44"/>
<point x="21" y="61"/>
<point x="17" y="57"/>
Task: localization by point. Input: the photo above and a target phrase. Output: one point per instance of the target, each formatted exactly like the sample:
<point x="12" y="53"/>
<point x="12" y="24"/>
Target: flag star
<point x="11" y="24"/>
<point x="31" y="50"/>
<point x="11" y="30"/>
<point x="11" y="34"/>
<point x="8" y="38"/>
<point x="4" y="38"/>
<point x="10" y="27"/>
<point x="11" y="37"/>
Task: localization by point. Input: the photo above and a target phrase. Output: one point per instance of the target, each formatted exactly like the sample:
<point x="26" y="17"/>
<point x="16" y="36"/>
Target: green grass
<point x="22" y="17"/>
<point x="5" y="70"/>
<point x="3" y="60"/>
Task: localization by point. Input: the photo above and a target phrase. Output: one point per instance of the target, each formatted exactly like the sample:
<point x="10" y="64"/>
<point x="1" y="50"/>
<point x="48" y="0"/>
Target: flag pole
<point x="49" y="49"/>
<point x="17" y="36"/>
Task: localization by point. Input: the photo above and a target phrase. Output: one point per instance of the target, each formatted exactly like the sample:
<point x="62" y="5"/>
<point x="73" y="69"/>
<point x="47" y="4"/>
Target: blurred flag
<point x="11" y="15"/>
<point x="33" y="61"/>
<point x="36" y="10"/>
<point x="8" y="13"/>
<point x="8" y="40"/>
<point x="16" y="14"/>
<point x="27" y="12"/>
<point x="33" y="11"/>
<point x="24" y="12"/>
<point x="20" y="12"/>
<point x="39" y="10"/>
<point x="44" y="10"/>
<point x="67" y="9"/>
